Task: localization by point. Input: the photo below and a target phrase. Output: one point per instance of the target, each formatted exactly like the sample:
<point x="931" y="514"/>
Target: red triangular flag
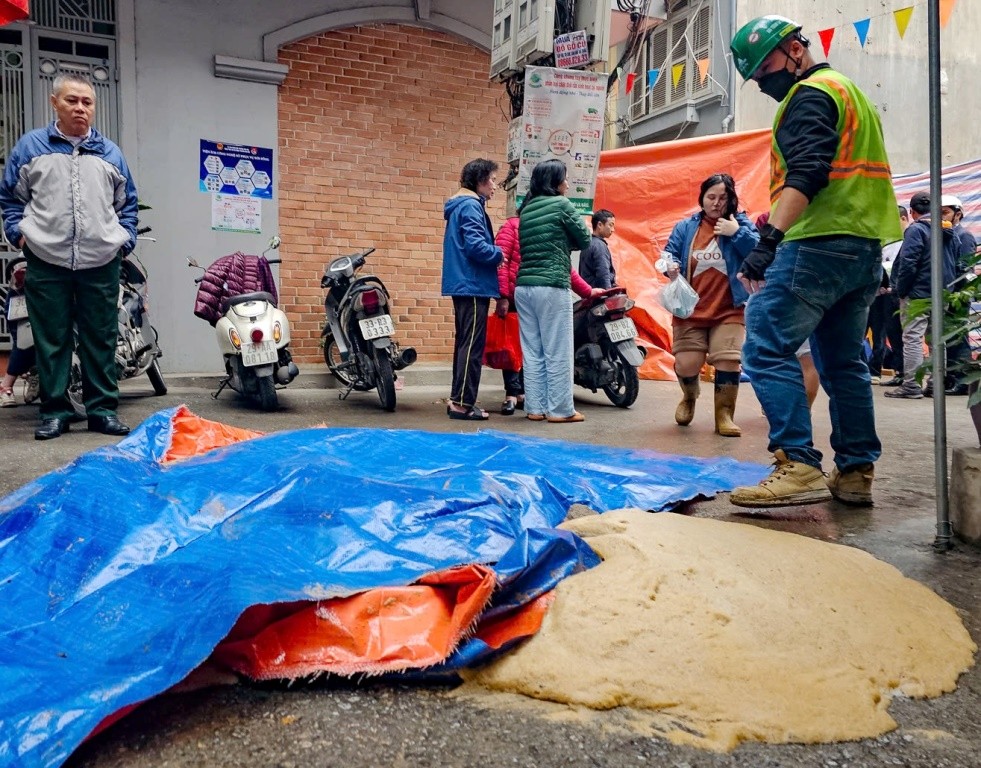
<point x="631" y="76"/>
<point x="827" y="35"/>
<point x="13" y="10"/>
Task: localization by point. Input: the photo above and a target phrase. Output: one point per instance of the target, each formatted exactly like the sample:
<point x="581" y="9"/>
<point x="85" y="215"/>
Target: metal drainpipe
<point x="727" y="120"/>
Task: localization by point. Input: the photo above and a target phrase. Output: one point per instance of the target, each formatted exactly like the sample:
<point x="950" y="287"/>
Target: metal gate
<point x="57" y="53"/>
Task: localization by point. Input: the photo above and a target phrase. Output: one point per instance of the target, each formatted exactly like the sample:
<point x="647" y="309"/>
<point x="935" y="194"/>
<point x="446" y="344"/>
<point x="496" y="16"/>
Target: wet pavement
<point x="371" y="724"/>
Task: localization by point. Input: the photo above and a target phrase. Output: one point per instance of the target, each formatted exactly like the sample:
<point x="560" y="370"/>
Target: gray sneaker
<point x="906" y="392"/>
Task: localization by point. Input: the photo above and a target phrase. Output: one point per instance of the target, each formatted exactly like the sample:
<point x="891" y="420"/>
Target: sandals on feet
<point x="566" y="419"/>
<point x="535" y="417"/>
<point x="472" y="414"/>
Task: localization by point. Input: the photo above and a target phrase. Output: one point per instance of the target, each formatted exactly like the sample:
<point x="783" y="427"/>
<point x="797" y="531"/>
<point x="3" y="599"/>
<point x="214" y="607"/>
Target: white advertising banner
<point x="562" y="118"/>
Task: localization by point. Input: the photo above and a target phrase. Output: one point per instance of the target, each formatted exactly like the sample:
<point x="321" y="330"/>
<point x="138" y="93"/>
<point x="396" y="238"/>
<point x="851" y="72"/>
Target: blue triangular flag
<point x="862" y="28"/>
<point x="652" y="75"/>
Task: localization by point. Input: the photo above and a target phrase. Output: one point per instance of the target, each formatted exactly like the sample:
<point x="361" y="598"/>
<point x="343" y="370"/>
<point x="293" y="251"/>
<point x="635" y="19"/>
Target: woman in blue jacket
<point x="708" y="249"/>
<point x="470" y="260"/>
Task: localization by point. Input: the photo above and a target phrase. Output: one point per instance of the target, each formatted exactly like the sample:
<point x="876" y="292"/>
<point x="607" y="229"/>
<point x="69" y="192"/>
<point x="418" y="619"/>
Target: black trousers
<point x="470" y="318"/>
<point x="894" y="332"/>
<point x="878" y="320"/>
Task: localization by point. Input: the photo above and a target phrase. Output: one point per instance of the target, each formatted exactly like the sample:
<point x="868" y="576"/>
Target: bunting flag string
<point x="901" y="17"/>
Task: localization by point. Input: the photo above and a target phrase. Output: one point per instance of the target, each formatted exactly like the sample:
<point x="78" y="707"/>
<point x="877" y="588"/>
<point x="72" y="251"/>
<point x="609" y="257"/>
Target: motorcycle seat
<point x="242" y="298"/>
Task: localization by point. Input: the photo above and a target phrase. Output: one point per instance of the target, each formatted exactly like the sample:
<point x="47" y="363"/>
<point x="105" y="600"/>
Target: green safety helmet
<point x="757" y="40"/>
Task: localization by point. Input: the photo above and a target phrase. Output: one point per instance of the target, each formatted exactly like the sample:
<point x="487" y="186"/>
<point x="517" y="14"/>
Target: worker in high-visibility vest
<point x="817" y="266"/>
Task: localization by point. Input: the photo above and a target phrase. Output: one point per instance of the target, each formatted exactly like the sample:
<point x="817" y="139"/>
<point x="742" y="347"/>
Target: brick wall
<point x="375" y="124"/>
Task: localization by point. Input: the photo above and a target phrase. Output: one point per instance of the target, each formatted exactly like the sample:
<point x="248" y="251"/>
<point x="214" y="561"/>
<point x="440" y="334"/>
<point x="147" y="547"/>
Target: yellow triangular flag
<point x="946" y="8"/>
<point x="676" y="72"/>
<point x="703" y="70"/>
<point x="902" y="19"/>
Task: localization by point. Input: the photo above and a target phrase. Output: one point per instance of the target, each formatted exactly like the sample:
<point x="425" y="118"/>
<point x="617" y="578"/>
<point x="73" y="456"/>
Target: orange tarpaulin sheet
<point x="651" y="188"/>
<point x="385" y="629"/>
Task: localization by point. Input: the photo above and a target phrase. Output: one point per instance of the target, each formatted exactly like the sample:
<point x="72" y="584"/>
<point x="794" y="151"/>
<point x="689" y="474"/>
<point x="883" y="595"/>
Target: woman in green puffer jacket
<point x="549" y="230"/>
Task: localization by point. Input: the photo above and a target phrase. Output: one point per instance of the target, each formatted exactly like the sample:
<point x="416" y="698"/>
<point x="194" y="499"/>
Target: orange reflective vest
<point x="859" y="199"/>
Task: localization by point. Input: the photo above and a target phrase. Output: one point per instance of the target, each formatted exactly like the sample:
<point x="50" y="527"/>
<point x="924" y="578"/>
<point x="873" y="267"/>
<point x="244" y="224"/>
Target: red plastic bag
<point x="502" y="350"/>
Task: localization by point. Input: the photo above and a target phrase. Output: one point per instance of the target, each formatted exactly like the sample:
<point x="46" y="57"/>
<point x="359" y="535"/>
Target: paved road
<point x="346" y="724"/>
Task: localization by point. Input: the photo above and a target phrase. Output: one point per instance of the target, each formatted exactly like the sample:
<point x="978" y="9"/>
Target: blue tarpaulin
<point x="120" y="573"/>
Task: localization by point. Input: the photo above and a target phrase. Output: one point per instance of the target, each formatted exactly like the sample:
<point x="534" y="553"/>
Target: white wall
<point x="170" y="100"/>
<point x="891" y="70"/>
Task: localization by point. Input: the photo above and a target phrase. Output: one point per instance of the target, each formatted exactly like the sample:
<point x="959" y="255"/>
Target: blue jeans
<point x="545" y="322"/>
<point x="819" y="288"/>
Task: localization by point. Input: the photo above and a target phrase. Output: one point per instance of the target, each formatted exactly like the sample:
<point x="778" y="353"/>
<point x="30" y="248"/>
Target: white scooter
<point x="253" y="337"/>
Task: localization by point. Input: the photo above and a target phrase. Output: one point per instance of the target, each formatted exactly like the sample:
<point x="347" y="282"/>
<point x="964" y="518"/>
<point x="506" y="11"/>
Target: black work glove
<point x="754" y="266"/>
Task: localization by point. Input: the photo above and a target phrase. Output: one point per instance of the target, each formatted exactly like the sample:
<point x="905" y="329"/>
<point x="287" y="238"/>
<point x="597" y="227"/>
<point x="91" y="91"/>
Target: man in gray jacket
<point x="70" y="204"/>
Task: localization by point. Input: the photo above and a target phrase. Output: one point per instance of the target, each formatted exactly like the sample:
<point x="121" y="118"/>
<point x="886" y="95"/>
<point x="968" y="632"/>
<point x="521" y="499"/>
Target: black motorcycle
<point x="357" y="335"/>
<point x="605" y="342"/>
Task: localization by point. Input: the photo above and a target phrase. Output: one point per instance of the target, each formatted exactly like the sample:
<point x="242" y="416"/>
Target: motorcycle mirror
<point x="275" y="243"/>
<point x="192" y="262"/>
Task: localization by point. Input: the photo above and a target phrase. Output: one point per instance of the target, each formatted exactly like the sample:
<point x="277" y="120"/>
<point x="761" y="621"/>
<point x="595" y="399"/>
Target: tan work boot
<point x="854" y="486"/>
<point x="685" y="411"/>
<point x="725" y="407"/>
<point x="790" y="483"/>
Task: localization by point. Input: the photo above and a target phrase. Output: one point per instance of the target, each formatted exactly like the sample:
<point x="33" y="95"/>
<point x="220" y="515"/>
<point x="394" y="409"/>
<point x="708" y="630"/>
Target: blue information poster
<point x="236" y="169"/>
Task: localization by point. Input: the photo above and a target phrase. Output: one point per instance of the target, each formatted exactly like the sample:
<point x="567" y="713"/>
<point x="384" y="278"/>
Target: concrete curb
<point x="313" y="376"/>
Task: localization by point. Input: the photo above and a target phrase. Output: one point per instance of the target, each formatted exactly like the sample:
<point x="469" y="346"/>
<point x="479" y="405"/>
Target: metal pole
<point x="944" y="534"/>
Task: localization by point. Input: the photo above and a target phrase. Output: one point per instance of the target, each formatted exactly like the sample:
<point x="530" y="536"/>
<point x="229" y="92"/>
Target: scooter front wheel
<point x="267" y="397"/>
<point x="625" y="387"/>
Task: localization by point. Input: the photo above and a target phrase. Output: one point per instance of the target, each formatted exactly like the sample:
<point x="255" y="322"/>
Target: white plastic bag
<point x="679" y="298"/>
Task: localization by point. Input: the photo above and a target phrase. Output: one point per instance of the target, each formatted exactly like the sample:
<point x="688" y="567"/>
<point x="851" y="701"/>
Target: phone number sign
<point x="235" y="169"/>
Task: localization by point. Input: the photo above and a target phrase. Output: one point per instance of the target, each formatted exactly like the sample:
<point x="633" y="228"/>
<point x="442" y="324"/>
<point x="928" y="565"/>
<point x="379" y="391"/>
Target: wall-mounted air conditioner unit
<point x="503" y="40"/>
<point x="535" y="30"/>
<point x="593" y="17"/>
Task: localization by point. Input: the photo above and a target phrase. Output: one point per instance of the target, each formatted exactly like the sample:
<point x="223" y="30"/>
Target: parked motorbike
<point x="137" y="350"/>
<point x="606" y="352"/>
<point x="253" y="338"/>
<point x="18" y="322"/>
<point x="357" y="335"/>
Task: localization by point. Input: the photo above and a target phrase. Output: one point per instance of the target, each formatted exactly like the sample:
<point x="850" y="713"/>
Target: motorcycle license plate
<point x="262" y="353"/>
<point x="621" y="330"/>
<point x="16" y="307"/>
<point x="375" y="327"/>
